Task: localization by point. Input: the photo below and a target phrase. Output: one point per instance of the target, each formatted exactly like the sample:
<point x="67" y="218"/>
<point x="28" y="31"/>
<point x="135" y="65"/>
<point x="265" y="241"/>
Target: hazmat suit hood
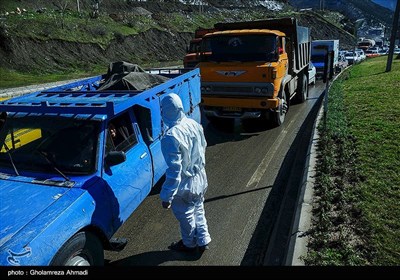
<point x="172" y="109"/>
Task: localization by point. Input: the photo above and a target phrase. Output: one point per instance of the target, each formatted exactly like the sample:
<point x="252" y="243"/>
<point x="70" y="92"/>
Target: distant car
<point x="361" y="54"/>
<point x="342" y="62"/>
<point x="372" y="53"/>
<point x="352" y="57"/>
<point x="382" y="52"/>
<point x="311" y="73"/>
<point x="396" y="51"/>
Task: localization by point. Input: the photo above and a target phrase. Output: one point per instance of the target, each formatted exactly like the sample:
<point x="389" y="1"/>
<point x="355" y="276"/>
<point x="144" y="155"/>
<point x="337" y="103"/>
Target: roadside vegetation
<point x="357" y="205"/>
<point x="69" y="25"/>
<point x="10" y="78"/>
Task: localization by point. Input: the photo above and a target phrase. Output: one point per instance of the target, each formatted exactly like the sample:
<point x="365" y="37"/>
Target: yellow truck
<point x="254" y="69"/>
<point x="191" y="58"/>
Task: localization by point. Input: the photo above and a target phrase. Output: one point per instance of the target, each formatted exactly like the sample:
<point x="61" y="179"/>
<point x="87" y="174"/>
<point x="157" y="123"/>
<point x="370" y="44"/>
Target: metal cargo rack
<point x="82" y="98"/>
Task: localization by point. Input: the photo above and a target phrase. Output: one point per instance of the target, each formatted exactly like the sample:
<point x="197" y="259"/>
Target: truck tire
<point x="278" y="117"/>
<point x="302" y="90"/>
<point x="82" y="249"/>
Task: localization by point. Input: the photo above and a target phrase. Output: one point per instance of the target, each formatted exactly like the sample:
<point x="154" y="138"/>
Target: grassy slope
<point x="10" y="79"/>
<point x="373" y="102"/>
<point x="357" y="191"/>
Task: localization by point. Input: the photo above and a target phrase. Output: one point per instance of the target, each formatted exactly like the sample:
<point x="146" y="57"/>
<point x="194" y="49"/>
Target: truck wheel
<point x="278" y="117"/>
<point x="302" y="90"/>
<point x="82" y="249"/>
<point x="331" y="73"/>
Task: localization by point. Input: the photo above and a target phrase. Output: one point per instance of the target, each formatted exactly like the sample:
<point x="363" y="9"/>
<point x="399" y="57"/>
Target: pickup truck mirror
<point x="115" y="157"/>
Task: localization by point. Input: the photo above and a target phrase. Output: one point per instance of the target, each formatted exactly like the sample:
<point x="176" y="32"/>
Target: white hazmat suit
<point x="183" y="147"/>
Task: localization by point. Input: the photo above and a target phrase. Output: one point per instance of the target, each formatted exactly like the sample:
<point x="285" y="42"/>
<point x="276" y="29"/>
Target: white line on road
<point x="262" y="167"/>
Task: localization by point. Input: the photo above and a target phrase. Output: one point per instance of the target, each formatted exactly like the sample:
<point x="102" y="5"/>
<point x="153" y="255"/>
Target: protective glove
<point x="166" y="204"/>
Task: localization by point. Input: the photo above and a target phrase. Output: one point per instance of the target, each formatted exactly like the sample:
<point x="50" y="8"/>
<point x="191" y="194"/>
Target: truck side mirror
<point x="115" y="157"/>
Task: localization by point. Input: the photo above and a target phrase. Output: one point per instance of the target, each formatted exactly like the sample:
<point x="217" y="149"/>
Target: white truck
<point x="318" y="53"/>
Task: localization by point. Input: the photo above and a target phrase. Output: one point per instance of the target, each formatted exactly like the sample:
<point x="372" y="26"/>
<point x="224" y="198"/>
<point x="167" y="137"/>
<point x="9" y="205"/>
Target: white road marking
<point x="262" y="167"/>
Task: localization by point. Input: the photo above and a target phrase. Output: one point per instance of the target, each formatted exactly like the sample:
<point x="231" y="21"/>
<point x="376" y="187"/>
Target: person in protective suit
<point x="183" y="147"/>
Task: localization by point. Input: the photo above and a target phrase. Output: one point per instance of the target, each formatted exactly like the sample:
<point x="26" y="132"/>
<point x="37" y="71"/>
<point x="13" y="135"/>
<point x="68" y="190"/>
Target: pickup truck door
<point x="130" y="181"/>
<point x="148" y="116"/>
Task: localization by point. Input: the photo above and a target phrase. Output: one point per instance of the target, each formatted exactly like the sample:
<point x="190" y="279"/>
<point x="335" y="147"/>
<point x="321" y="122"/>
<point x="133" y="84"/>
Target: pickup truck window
<point x="143" y="117"/>
<point x="242" y="48"/>
<point x="121" y="136"/>
<point x="41" y="143"/>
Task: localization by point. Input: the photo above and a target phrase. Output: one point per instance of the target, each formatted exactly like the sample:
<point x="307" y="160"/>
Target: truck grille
<point x="238" y="89"/>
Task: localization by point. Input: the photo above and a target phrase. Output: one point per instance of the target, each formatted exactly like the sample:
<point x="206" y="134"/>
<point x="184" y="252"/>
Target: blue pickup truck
<point x="77" y="160"/>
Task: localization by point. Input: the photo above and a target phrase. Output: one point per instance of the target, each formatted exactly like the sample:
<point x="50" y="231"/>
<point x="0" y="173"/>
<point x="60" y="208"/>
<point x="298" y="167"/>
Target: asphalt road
<point x="254" y="174"/>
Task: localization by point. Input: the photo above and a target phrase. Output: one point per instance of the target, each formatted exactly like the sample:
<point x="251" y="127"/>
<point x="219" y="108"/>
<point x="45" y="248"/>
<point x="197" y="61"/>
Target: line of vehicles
<point x="67" y="184"/>
<point x="366" y="48"/>
<point x="198" y="52"/>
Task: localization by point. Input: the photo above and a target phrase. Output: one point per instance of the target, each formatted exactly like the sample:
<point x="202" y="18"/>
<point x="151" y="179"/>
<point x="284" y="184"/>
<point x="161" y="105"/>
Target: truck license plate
<point x="232" y="109"/>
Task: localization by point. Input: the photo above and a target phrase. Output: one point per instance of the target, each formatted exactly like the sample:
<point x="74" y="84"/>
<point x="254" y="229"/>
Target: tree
<point x="62" y="5"/>
<point x="95" y="8"/>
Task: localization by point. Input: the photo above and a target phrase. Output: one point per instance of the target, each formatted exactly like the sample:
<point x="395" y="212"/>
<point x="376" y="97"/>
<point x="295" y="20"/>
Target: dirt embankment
<point x="34" y="55"/>
<point x="27" y="54"/>
<point x="323" y="30"/>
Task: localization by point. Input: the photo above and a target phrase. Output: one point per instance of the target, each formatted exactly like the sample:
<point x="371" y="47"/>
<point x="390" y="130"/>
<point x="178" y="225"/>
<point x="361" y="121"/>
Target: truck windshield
<point x="43" y="144"/>
<point x="242" y="48"/>
<point x="318" y="58"/>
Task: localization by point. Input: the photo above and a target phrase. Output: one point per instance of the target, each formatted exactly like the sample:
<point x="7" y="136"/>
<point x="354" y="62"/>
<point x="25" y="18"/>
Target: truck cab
<point x="319" y="50"/>
<point x="191" y="58"/>
<point x="253" y="69"/>
<point x="192" y="55"/>
<point x="75" y="163"/>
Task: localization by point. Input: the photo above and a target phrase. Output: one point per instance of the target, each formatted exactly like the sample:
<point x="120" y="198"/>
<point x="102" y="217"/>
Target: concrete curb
<point x="303" y="216"/>
<point x="302" y="221"/>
